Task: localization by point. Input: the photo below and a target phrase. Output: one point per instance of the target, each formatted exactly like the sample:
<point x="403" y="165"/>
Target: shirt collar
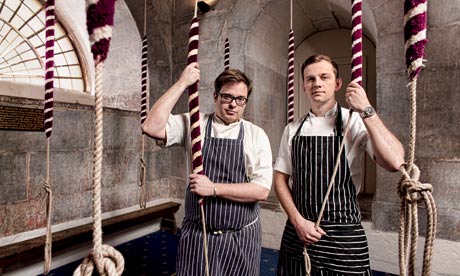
<point x="330" y="113"/>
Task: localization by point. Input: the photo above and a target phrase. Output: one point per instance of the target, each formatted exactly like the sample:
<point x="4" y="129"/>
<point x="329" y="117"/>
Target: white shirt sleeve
<point x="258" y="156"/>
<point x="358" y="144"/>
<point x="283" y="161"/>
<point x="176" y="130"/>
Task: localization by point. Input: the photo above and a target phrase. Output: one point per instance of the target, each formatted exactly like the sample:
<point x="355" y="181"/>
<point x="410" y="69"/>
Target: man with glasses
<point x="237" y="163"/>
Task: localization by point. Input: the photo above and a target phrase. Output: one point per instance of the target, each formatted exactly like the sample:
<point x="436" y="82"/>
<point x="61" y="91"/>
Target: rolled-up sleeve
<point x="358" y="140"/>
<point x="176" y="130"/>
<point x="283" y="161"/>
<point x="259" y="159"/>
<point x="358" y="143"/>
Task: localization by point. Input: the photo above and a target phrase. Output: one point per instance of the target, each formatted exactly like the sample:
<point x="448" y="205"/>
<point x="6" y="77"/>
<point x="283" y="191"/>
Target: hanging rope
<point x="356" y="75"/>
<point x="48" y="125"/>
<point x="357" y="42"/>
<point x="291" y="71"/>
<point x="194" y="109"/>
<point x="144" y="105"/>
<point x="227" y="55"/>
<point x="49" y="214"/>
<point x="410" y="190"/>
<point x="107" y="260"/>
<point x="49" y="67"/>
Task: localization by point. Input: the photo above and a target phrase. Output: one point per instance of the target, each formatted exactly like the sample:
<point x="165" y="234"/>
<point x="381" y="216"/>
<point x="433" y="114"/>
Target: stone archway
<point x="336" y="44"/>
<point x="265" y="52"/>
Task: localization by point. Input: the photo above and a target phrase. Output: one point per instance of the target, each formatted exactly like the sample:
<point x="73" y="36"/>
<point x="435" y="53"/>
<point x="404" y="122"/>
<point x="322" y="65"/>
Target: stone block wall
<point x="257" y="31"/>
<point x="437" y="149"/>
<point x="22" y="154"/>
<point x="23" y="167"/>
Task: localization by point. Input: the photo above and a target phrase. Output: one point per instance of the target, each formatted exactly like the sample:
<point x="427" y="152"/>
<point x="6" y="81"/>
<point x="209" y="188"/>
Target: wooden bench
<point x="25" y="252"/>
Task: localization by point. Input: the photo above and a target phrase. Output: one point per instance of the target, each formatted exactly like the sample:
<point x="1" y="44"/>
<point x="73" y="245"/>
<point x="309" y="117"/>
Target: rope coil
<point x="409" y="187"/>
<point x="113" y="262"/>
<point x="412" y="192"/>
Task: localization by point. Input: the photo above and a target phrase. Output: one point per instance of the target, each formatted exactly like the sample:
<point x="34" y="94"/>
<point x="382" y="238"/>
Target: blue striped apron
<point x="343" y="250"/>
<point x="233" y="228"/>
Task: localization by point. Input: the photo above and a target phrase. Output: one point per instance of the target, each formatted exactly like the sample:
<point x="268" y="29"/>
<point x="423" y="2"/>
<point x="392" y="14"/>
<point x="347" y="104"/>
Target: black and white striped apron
<point x="233" y="228"/>
<point x="343" y="250"/>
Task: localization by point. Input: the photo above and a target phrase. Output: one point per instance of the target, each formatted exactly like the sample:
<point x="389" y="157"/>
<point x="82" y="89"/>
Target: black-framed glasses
<point x="227" y="98"/>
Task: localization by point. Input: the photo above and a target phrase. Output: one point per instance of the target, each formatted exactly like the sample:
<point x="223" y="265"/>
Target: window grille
<point x="22" y="47"/>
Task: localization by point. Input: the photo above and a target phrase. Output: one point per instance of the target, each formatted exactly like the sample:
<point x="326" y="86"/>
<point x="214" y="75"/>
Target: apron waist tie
<point x="213" y="231"/>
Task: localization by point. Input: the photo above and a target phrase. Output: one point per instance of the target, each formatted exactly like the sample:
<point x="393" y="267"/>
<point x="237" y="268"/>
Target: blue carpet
<point x="150" y="255"/>
<point x="155" y="255"/>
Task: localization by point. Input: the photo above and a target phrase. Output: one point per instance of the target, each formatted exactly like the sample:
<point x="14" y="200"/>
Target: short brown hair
<point x="232" y="76"/>
<point x="317" y="58"/>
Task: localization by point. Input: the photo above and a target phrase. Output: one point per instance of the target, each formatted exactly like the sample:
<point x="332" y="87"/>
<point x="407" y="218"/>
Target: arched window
<point x="22" y="47"/>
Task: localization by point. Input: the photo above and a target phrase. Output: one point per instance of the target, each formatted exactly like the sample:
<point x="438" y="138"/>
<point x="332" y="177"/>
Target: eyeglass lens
<point x="227" y="98"/>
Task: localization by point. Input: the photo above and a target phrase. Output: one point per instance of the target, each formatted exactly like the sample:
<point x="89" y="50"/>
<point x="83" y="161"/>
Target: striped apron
<point x="343" y="250"/>
<point x="233" y="228"/>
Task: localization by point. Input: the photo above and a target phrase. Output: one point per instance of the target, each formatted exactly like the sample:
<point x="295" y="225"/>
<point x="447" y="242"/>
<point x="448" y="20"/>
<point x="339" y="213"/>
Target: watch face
<point x="367" y="112"/>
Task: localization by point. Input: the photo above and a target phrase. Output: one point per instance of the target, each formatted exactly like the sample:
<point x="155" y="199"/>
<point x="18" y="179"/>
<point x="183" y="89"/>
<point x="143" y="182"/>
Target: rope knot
<point x="47" y="187"/>
<point x="142" y="173"/>
<point x="409" y="187"/>
<point x="142" y="196"/>
<point x="111" y="262"/>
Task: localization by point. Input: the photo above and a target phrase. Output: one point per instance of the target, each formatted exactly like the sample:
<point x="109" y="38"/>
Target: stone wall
<point x="166" y="168"/>
<point x="437" y="142"/>
<point x="257" y="31"/>
<point x="250" y="51"/>
<point x="22" y="153"/>
<point x="23" y="166"/>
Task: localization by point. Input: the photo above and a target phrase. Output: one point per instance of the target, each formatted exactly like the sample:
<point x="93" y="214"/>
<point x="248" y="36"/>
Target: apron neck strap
<point x="338" y="122"/>
<point x="209" y="128"/>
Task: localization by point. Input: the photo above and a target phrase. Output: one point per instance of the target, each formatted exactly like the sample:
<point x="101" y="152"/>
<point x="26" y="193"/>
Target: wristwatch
<point x="367" y="112"/>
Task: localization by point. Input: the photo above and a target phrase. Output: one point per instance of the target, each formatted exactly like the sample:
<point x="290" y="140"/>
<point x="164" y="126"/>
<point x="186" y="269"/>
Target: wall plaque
<point x="21" y="118"/>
